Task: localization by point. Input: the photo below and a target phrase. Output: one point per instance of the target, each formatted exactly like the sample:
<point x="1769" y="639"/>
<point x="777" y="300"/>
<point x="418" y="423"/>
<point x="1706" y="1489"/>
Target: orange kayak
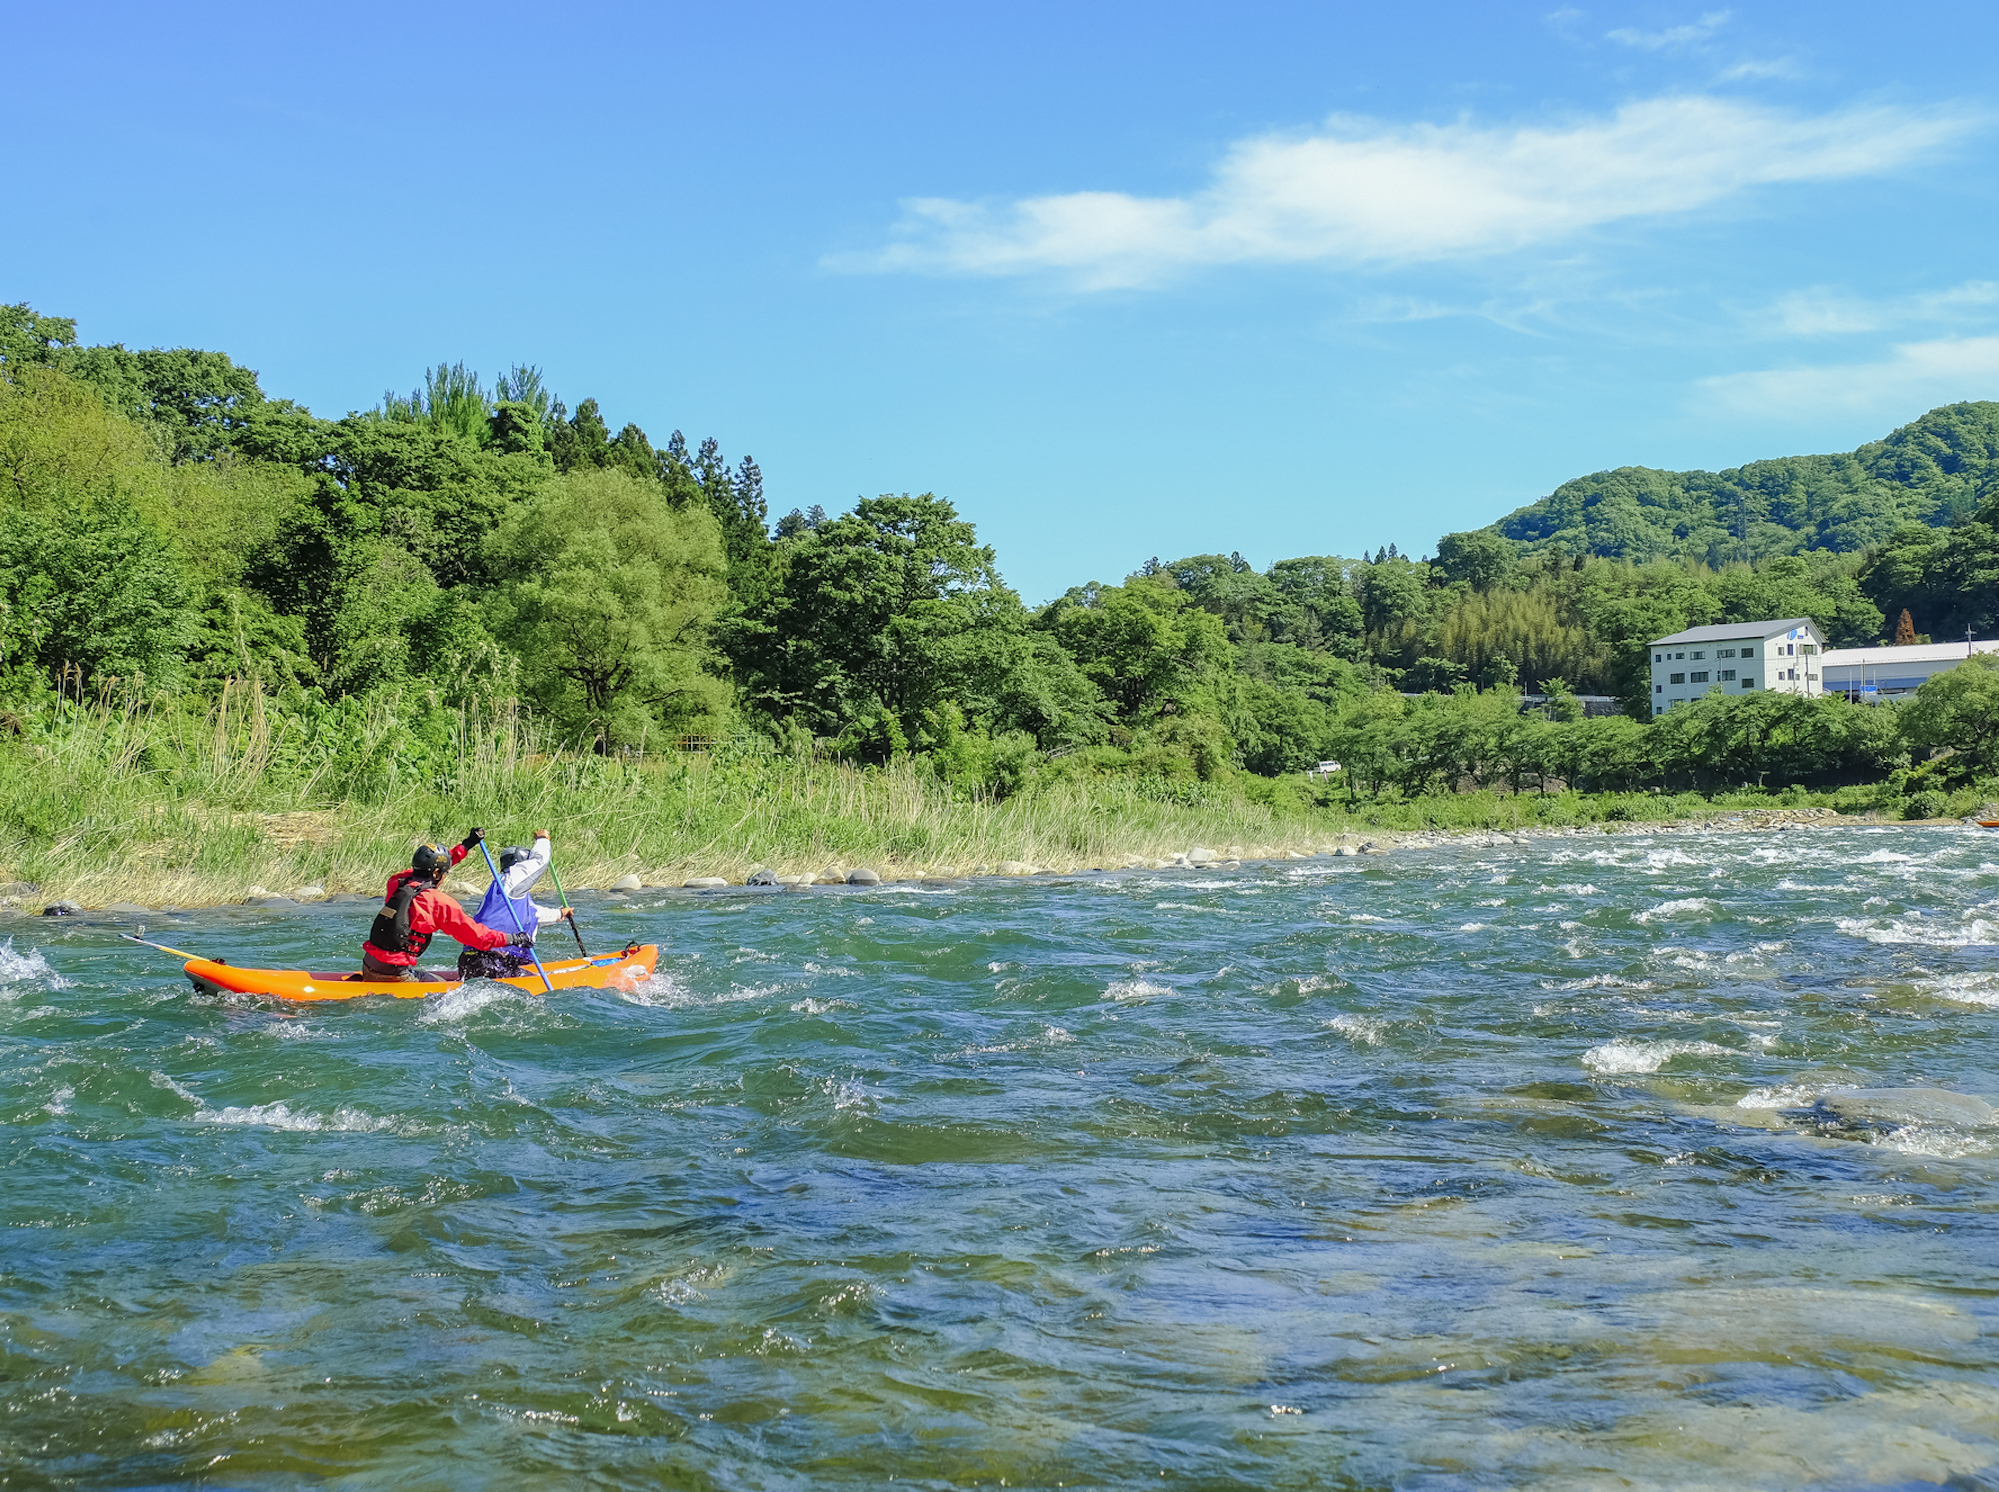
<point x="609" y="971"/>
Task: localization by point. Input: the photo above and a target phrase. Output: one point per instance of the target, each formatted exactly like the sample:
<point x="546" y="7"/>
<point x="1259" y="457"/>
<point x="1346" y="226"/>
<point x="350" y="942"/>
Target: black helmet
<point x="511" y="856"/>
<point x="428" y="861"/>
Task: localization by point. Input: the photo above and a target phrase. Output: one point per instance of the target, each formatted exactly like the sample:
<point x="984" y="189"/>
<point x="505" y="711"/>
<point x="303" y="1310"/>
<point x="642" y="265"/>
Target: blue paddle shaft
<point x="547" y="983"/>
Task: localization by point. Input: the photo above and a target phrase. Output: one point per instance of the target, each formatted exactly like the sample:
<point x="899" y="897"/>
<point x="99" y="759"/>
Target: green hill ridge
<point x="1933" y="471"/>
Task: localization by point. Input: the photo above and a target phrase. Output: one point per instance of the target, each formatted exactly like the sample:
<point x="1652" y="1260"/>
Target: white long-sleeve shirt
<point x="516" y="881"/>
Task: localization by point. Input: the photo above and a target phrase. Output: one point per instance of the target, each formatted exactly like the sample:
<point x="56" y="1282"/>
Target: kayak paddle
<point x="547" y="983"/>
<point x="563" y="897"/>
<point x="176" y="952"/>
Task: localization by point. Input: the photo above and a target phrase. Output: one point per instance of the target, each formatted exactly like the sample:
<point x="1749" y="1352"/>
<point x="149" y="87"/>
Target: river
<point x="1638" y="1159"/>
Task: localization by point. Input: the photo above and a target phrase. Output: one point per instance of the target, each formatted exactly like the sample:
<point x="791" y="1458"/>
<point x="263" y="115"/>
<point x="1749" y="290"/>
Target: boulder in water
<point x="61" y="909"/>
<point x="1199" y="856"/>
<point x="763" y="875"/>
<point x="704" y="883"/>
<point x="628" y="882"/>
<point x="864" y="877"/>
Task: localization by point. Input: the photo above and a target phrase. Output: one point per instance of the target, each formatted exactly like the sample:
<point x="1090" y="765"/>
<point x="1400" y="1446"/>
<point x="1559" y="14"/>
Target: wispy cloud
<point x="1763" y="67"/>
<point x="1365" y="192"/>
<point x="1914" y="374"/>
<point x="1673" y="36"/>
<point x="1821" y="311"/>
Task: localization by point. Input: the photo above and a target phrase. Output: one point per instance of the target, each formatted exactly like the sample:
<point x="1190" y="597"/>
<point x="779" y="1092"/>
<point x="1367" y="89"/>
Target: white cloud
<point x="1820" y="311"/>
<point x="1914" y="376"/>
<point x="1362" y="192"/>
<point x="1767" y="67"/>
<point x="1673" y="36"/>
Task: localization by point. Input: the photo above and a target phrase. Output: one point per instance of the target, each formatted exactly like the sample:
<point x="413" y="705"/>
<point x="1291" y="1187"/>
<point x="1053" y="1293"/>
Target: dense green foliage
<point x="1935" y="472"/>
<point x="169" y="532"/>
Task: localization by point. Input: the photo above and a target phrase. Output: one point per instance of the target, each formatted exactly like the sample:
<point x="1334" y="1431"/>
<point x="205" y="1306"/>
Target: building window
<point x="1697" y="678"/>
<point x="1749" y="683"/>
<point x="1725" y="675"/>
<point x="1679" y="655"/>
<point x="1749" y="652"/>
<point x="1807" y="649"/>
<point x="1699" y="656"/>
<point x="1676" y="678"/>
<point x="1658" y="688"/>
<point x="1724" y="652"/>
<point x="1658" y="657"/>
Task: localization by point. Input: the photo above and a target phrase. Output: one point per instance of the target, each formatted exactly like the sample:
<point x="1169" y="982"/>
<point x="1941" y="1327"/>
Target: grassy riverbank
<point x="99" y="805"/>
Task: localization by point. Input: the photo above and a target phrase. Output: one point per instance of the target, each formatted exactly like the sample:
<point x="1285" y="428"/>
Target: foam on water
<point x="281" y="1116"/>
<point x="1366" y="1029"/>
<point x="1981" y="989"/>
<point x="1687" y="907"/>
<point x="1646" y="1056"/>
<point x="1977" y="926"/>
<point x="474" y="998"/>
<point x="1135" y="991"/>
<point x="19" y="971"/>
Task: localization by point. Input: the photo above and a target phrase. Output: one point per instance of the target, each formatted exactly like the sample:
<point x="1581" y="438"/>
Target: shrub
<point x="1928" y="804"/>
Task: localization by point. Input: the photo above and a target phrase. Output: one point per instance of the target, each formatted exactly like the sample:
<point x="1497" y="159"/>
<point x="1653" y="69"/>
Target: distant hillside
<point x="1933" y="471"/>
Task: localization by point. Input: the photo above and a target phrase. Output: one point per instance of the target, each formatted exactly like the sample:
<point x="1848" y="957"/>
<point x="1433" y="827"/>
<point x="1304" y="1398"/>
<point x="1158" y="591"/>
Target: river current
<point x="1646" y="1159"/>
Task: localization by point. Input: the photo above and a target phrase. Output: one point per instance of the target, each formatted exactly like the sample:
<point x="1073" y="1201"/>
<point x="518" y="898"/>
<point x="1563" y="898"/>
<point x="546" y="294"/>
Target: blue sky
<point x="1120" y="280"/>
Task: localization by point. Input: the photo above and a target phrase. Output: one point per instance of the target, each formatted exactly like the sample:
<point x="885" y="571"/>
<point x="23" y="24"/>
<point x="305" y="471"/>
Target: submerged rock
<point x="1899" y="1106"/>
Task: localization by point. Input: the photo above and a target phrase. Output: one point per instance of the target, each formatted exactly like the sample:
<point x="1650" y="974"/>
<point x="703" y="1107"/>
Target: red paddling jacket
<point x="412" y="915"/>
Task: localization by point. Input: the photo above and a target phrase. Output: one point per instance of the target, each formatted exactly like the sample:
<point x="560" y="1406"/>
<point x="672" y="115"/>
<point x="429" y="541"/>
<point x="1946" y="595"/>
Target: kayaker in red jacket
<point x="414" y="911"/>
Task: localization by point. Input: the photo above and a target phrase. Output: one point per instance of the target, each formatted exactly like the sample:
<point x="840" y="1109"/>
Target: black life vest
<point x="391" y="931"/>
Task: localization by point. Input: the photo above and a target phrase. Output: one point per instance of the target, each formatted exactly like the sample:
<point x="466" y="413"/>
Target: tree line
<point x="166" y="524"/>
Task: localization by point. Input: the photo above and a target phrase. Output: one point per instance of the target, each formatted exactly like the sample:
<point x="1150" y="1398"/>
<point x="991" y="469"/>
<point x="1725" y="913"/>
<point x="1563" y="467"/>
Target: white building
<point x="1886" y="672"/>
<point x="1736" y="657"/>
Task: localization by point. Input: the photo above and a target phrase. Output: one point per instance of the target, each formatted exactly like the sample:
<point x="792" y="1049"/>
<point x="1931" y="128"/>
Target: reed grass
<point x="107" y="800"/>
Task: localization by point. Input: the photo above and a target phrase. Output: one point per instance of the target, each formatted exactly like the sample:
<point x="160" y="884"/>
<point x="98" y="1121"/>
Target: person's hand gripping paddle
<point x="514" y="912"/>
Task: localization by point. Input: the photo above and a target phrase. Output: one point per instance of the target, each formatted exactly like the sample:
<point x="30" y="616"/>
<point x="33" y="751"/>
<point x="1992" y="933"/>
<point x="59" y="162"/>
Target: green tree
<point x="1480" y="560"/>
<point x="608" y="594"/>
<point x="89" y="585"/>
<point x="1958" y="711"/>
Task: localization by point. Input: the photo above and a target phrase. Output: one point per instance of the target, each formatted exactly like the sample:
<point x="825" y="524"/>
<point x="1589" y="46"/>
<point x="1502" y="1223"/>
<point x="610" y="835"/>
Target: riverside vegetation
<point x="240" y="644"/>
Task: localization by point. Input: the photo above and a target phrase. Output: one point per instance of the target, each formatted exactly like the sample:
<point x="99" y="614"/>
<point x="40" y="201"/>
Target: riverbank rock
<point x="310" y="893"/>
<point x="1015" y="868"/>
<point x="128" y="909"/>
<point x="266" y="899"/>
<point x="630" y="881"/>
<point x="704" y="883"/>
<point x="864" y="877"/>
<point x="763" y="875"/>
<point x="61" y="909"/>
<point x="804" y="880"/>
<point x="1199" y="856"/>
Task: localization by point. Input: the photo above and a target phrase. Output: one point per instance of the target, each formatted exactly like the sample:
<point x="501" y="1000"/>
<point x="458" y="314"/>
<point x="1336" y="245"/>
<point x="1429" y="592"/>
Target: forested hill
<point x="1934" y="471"/>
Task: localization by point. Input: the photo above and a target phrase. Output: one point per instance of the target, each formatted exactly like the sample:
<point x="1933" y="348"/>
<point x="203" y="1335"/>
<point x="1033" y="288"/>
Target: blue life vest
<point x="493" y="911"/>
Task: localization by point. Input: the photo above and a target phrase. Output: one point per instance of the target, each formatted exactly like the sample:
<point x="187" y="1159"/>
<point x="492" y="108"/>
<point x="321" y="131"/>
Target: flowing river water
<point x="1647" y="1159"/>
